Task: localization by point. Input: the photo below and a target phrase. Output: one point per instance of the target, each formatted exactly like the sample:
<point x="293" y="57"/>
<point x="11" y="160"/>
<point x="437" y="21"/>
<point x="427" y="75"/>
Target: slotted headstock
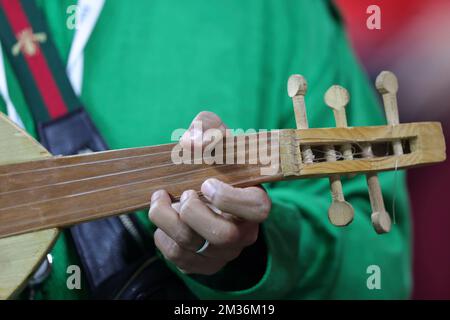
<point x="347" y="150"/>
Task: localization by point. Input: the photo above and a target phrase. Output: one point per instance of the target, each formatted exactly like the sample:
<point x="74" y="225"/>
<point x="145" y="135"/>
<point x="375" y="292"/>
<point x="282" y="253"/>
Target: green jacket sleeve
<point x="307" y="256"/>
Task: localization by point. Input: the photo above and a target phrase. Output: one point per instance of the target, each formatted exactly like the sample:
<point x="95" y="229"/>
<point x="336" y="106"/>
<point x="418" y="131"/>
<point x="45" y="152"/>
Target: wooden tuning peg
<point x="297" y="88"/>
<point x="337" y="99"/>
<point x="341" y="212"/>
<point x="387" y="86"/>
<point x="381" y="220"/>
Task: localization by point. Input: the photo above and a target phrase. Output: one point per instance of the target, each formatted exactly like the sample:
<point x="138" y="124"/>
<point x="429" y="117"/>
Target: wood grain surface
<point x="20" y="255"/>
<point x="61" y="191"/>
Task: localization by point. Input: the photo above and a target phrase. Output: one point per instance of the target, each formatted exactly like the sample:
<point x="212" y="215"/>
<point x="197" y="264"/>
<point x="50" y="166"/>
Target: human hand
<point x="229" y="219"/>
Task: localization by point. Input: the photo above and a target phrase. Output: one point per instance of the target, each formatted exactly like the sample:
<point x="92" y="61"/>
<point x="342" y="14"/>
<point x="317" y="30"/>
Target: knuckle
<point x="154" y="211"/>
<point x="184" y="237"/>
<point x="188" y="206"/>
<point x="208" y="115"/>
<point x="210" y="120"/>
<point x="173" y="253"/>
<point x="228" y="236"/>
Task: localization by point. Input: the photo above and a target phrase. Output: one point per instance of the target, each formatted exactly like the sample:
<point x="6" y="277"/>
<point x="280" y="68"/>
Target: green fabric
<point x="2" y="105"/>
<point x="151" y="66"/>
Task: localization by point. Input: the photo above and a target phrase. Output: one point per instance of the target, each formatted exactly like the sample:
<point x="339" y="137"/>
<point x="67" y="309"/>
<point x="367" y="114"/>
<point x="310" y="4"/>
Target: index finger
<point x="204" y="121"/>
<point x="252" y="204"/>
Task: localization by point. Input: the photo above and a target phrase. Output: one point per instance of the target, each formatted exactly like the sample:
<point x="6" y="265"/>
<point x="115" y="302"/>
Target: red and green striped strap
<point x="34" y="57"/>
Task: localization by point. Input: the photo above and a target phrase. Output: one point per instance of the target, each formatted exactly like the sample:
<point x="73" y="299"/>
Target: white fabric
<point x="10" y="109"/>
<point x="88" y="12"/>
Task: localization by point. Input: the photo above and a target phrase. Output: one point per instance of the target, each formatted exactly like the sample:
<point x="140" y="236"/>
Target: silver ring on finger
<point x="203" y="247"/>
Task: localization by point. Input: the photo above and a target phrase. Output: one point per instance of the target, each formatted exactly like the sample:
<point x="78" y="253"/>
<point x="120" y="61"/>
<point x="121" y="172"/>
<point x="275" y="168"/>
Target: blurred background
<point x="414" y="43"/>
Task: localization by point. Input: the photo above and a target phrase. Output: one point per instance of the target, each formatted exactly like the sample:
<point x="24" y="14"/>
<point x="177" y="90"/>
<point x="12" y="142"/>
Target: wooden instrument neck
<point x="62" y="191"/>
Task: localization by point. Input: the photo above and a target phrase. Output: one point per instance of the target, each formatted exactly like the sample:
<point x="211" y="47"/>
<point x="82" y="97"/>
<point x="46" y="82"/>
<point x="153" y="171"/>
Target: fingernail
<point x="157" y="194"/>
<point x="184" y="196"/>
<point x="209" y="188"/>
<point x="187" y="194"/>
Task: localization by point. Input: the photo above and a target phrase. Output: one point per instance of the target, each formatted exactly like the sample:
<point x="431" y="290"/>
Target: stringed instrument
<point x="41" y="193"/>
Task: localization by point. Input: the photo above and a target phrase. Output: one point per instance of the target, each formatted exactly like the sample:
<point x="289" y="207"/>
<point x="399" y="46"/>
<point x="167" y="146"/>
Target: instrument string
<point x="339" y="155"/>
<point x="190" y="172"/>
<point x="394" y="192"/>
<point x="81" y="157"/>
<point x="21" y="223"/>
<point x="152" y="154"/>
<point x="226" y="146"/>
<point x="68" y="213"/>
<point x="115" y="186"/>
<point x="123" y="172"/>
